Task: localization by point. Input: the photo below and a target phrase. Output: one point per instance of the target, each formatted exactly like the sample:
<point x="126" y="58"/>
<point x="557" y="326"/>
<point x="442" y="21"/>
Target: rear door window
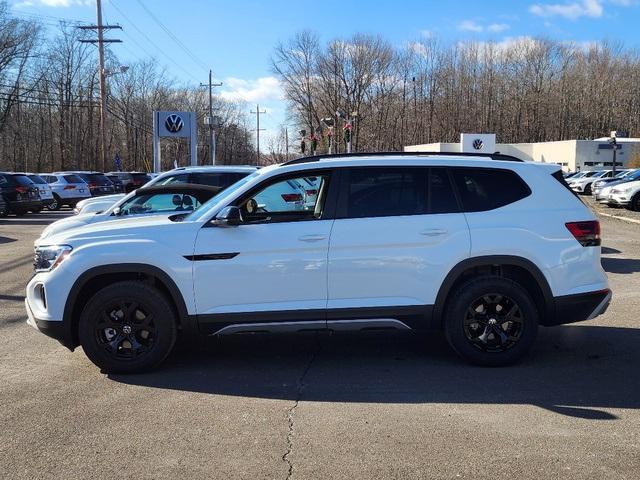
<point x="483" y="189"/>
<point x="217" y="179"/>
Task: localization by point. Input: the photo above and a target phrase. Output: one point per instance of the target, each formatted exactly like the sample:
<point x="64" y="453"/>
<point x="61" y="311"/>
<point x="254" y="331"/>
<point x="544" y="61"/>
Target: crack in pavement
<point x="293" y="408"/>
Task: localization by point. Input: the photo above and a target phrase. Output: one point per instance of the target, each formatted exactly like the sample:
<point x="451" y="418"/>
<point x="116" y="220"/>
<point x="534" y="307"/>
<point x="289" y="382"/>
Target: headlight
<point x="48" y="258"/>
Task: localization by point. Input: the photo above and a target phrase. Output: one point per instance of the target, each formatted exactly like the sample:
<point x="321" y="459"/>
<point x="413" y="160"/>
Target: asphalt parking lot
<point x="320" y="406"/>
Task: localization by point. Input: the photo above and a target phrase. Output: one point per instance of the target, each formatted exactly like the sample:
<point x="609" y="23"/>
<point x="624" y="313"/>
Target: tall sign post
<point x="174" y="124"/>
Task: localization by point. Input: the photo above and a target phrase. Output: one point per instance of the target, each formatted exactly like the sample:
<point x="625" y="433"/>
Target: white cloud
<point x="498" y="27"/>
<point x="53" y="3"/>
<point x="254" y="91"/>
<point x="427" y="33"/>
<point x="470" y="26"/>
<point x="570" y="10"/>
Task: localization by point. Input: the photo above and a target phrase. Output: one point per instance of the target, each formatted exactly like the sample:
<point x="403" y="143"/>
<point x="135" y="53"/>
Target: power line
<point x="175" y="39"/>
<point x="151" y="42"/>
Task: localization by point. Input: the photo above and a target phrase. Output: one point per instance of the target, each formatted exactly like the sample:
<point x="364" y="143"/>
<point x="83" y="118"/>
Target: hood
<point x="134" y="227"/>
<point x="67" y="224"/>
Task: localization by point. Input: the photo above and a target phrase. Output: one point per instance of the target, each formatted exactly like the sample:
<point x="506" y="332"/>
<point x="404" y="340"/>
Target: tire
<point x="55" y="205"/>
<point x="634" y="203"/>
<point x="475" y="328"/>
<point x="587" y="189"/>
<point x="113" y="324"/>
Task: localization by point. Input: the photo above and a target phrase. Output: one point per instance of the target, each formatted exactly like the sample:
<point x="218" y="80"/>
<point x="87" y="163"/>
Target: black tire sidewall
<point x="469" y="292"/>
<point x="56" y="205"/>
<point x="164" y="320"/>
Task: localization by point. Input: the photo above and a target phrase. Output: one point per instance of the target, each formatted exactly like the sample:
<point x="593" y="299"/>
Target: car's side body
<point x="67" y="189"/>
<point x="19" y="192"/>
<point x="342" y="268"/>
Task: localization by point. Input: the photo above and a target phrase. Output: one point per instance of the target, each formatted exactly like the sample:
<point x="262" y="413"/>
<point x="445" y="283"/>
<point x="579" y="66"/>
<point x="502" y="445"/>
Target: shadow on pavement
<point x="574" y="370"/>
<point x="620" y="265"/>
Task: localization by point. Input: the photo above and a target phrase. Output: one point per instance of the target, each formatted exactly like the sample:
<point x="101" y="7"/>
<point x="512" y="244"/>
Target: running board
<point x="314" y="325"/>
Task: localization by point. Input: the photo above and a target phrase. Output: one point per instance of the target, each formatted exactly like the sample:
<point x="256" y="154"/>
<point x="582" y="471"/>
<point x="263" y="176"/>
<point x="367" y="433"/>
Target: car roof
<point x="215" y="168"/>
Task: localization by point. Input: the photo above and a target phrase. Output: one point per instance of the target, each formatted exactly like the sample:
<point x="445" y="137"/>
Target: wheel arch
<point x="91" y="281"/>
<point x="516" y="268"/>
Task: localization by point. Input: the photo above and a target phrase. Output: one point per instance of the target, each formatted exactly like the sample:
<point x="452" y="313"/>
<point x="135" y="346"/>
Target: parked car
<point x="67" y="188"/>
<point x="485" y="248"/>
<point x="4" y="207"/>
<point x="97" y="204"/>
<point x="602" y="188"/>
<point x="97" y="182"/>
<point x="131" y="180"/>
<point x="19" y="192"/>
<point x="584" y="183"/>
<point x="625" y="195"/>
<point x="118" y="186"/>
<point x="44" y="190"/>
<point x="153" y="200"/>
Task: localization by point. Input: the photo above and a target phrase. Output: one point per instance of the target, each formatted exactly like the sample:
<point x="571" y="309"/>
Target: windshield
<point x="159" y="203"/>
<point x="195" y="216"/>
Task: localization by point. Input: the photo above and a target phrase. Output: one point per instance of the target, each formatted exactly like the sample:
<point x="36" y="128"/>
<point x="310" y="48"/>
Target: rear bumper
<point x="579" y="307"/>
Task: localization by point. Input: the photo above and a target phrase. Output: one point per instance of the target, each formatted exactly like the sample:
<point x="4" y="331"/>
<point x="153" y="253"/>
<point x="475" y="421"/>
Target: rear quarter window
<point x="483" y="189"/>
<point x="73" y="179"/>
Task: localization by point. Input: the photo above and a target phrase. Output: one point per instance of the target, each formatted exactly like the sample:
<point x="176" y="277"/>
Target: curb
<point x="630" y="220"/>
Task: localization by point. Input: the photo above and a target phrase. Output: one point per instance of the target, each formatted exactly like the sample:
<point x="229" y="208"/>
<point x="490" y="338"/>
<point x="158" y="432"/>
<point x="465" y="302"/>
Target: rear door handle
<point x="312" y="238"/>
<point x="434" y="232"/>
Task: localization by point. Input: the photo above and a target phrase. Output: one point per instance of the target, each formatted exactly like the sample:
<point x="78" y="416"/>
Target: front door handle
<point x="312" y="238"/>
<point x="434" y="232"/>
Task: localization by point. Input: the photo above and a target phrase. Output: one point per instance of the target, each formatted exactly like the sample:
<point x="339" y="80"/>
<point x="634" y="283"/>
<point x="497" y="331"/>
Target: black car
<point x="98" y="183"/>
<point x="20" y="193"/>
<point x="117" y="183"/>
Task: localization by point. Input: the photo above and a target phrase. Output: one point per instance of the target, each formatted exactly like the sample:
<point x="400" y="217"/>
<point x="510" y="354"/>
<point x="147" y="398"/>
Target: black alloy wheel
<point x="128" y="327"/>
<point x="493" y="323"/>
<point x="491" y="320"/>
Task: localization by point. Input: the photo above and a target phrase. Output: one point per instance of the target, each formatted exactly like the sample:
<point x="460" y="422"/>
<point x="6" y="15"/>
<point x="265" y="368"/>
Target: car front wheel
<point x="491" y="321"/>
<point x="127" y="327"/>
<point x="55" y="205"/>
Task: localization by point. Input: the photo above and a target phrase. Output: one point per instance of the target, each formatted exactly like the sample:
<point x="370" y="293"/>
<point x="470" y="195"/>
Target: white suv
<point x="485" y="248"/>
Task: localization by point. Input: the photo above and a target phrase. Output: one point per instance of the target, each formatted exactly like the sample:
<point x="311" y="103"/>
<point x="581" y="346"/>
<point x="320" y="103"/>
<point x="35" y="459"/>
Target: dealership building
<point x="571" y="155"/>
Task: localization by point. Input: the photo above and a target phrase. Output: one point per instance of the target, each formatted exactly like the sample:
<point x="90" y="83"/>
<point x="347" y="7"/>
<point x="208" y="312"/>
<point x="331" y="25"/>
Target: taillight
<point x="311" y="192"/>
<point x="93" y="184"/>
<point x="292" y="197"/>
<point x="69" y="187"/>
<point x="586" y="233"/>
<point x="22" y="189"/>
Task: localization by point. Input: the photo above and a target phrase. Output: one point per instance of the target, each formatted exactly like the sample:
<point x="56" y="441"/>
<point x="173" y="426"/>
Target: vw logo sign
<point x="174" y="123"/>
<point x="478" y="144"/>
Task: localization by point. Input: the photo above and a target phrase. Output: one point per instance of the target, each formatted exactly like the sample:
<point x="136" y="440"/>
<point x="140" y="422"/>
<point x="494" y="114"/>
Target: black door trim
<point x="212" y="256"/>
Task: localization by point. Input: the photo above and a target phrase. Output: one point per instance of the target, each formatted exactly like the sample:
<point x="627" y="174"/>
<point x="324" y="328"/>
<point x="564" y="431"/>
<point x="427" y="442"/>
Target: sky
<point x="235" y="38"/>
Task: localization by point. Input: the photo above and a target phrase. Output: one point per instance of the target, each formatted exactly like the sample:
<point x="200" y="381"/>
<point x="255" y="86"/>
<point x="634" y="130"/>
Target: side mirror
<point x="228" y="217"/>
<point x="116" y="212"/>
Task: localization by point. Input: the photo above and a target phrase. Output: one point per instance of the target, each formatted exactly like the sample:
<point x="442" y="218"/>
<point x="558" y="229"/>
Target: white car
<point x="104" y="207"/>
<point x="97" y="204"/>
<point x="485" y="248"/>
<point x="67" y="189"/>
<point x="585" y="182"/>
<point x="625" y="195"/>
<point x="602" y="188"/>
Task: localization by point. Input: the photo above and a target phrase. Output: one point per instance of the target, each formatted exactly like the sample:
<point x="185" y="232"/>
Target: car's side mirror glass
<point x="228" y="217"/>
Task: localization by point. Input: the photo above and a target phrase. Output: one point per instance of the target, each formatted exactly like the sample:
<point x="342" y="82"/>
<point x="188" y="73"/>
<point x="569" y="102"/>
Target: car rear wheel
<point x="491" y="321"/>
<point x="55" y="205"/>
<point x="587" y="189"/>
<point x="634" y="204"/>
<point x="127" y="327"/>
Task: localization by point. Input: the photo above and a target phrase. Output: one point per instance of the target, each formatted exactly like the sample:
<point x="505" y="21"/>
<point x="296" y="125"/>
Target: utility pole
<point x="286" y="142"/>
<point x="258" y="113"/>
<point x="212" y="131"/>
<point x="99" y="27"/>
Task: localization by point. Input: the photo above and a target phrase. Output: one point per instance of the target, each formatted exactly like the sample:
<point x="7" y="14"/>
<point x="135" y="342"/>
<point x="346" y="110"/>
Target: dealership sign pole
<point x="174" y="124"/>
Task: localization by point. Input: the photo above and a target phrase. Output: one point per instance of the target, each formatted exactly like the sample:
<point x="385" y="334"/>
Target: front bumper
<point x="580" y="307"/>
<point x="618" y="200"/>
<point x="55" y="329"/>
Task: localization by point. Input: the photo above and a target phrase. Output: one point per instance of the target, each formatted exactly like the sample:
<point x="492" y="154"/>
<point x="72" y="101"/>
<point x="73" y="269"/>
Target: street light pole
<point x="212" y="131"/>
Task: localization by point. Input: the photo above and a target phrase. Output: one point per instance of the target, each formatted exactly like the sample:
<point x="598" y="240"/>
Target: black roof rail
<point x="316" y="158"/>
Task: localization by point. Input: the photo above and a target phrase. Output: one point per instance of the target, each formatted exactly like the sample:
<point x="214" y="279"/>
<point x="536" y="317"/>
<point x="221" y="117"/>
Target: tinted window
<point x="141" y="177"/>
<point x="386" y="191"/>
<point x="484" y="189"/>
<point x="22" y="180"/>
<point x="73" y="179"/>
<point x="442" y="199"/>
<point x="37" y="179"/>
<point x="217" y="179"/>
<point x="97" y="178"/>
<point x="180" y="178"/>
